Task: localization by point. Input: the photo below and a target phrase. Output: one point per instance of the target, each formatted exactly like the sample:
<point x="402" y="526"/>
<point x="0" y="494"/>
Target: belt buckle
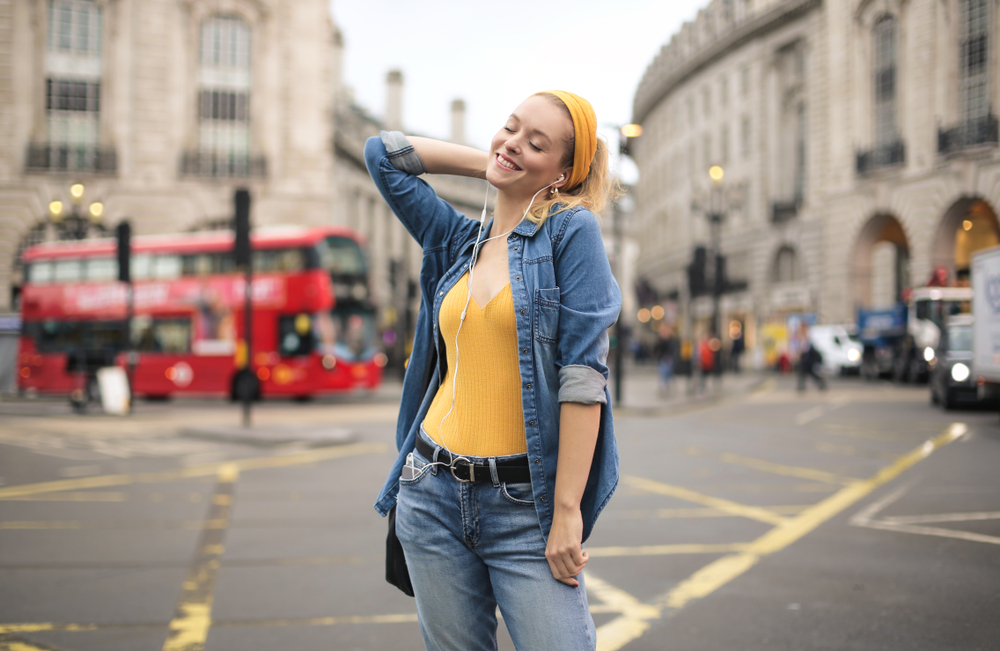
<point x="472" y="470"/>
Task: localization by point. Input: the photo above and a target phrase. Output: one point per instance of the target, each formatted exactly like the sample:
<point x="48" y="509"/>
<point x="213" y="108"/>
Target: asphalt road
<point x="857" y="518"/>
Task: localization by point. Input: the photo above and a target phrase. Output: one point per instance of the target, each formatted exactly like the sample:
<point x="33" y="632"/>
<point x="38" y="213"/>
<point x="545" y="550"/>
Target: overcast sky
<point x="493" y="55"/>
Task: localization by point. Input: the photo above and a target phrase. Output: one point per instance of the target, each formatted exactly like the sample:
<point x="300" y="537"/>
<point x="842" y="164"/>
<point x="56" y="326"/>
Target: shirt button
<point x="542" y="498"/>
<point x="532" y="424"/>
<point x="537" y="461"/>
<point x="523" y="312"/>
<point x="525" y="351"/>
<point x="515" y="248"/>
<point x="517" y="278"/>
<point x="528" y="387"/>
<point x="440" y="293"/>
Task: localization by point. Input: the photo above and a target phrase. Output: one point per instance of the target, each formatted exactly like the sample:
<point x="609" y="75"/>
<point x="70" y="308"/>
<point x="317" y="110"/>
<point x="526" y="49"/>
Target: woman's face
<point x="528" y="152"/>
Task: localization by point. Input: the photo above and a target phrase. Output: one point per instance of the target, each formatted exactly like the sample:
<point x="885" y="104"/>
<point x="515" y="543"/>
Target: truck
<point x="899" y="342"/>
<point x="986" y="330"/>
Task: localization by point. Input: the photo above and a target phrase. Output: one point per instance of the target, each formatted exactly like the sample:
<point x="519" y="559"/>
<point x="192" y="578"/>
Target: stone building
<point x="858" y="145"/>
<point x="155" y="111"/>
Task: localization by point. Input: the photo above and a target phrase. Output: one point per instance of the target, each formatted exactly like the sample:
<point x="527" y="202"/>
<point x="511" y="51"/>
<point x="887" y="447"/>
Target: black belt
<point x="511" y="471"/>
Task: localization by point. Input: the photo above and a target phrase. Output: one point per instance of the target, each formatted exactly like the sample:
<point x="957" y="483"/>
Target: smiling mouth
<point x="506" y="163"/>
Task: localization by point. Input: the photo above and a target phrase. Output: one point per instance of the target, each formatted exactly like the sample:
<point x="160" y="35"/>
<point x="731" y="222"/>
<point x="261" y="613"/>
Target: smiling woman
<point x="521" y="418"/>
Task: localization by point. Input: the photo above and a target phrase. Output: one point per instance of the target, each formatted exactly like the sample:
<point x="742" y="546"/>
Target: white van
<point x="841" y="351"/>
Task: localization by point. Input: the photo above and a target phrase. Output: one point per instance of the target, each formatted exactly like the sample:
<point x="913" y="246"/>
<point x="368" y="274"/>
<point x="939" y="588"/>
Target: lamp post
<point x="76" y="225"/>
<point x="716" y="217"/>
<point x="625" y="133"/>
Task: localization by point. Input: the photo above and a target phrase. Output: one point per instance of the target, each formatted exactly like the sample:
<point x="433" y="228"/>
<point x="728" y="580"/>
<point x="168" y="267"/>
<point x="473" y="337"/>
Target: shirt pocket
<point x="547" y="315"/>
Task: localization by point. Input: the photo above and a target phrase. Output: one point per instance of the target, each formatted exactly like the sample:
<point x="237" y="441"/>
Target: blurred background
<point x="186" y="220"/>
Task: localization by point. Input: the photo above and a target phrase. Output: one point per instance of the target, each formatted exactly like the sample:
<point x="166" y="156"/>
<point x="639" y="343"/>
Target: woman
<point x="506" y="446"/>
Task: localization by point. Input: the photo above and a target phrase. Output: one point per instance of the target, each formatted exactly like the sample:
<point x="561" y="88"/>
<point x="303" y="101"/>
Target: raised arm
<point x="440" y="157"/>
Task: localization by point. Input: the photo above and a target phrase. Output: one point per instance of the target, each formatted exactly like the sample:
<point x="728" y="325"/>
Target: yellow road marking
<point x="688" y="495"/>
<point x="633" y="621"/>
<point x="155" y="525"/>
<point x="714" y="575"/>
<point x="622" y="630"/>
<point x="45" y="626"/>
<point x="665" y="550"/>
<point x="203" y="470"/>
<point x="775" y="468"/>
<point x="189" y="627"/>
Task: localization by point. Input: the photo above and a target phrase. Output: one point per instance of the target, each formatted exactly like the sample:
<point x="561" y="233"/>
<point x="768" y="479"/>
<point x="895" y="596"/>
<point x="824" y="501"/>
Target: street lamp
<point x="75" y="225"/>
<point x="625" y="133"/>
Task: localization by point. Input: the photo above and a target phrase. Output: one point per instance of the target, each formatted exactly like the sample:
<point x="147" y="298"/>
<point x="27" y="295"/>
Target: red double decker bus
<point x="313" y="324"/>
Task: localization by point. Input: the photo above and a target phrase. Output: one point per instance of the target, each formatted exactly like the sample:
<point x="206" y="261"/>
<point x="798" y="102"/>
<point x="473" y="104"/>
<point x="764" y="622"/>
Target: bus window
<point x="166" y="267"/>
<point x="278" y="260"/>
<point x="68" y="271"/>
<point x="140" y="266"/>
<point x="355" y="334"/>
<point x="171" y="335"/>
<point x="39" y="272"/>
<point x="296" y="335"/>
<point x="206" y="264"/>
<point x="102" y="269"/>
<point x="341" y="256"/>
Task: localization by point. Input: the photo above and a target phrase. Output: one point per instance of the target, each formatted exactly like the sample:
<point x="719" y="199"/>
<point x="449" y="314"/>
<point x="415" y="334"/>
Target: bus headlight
<point x="380" y="360"/>
<point x="853" y="355"/>
<point x="928" y="354"/>
<point x="328" y="362"/>
<point x="960" y="372"/>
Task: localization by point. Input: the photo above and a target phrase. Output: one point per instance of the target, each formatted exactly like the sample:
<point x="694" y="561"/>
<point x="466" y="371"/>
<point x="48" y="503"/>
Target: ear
<point x="566" y="174"/>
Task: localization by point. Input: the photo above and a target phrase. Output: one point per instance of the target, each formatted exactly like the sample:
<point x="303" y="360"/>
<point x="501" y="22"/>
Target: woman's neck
<point x="508" y="212"/>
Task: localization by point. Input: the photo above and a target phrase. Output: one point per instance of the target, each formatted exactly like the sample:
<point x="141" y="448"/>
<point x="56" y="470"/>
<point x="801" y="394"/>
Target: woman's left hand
<point x="564" y="550"/>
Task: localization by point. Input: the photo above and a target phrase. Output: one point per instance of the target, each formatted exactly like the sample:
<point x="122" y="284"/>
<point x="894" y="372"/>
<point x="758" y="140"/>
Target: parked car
<point x="841" y="352"/>
<point x="951" y="379"/>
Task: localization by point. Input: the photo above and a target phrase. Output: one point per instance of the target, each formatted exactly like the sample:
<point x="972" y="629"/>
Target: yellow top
<point x="488" y="420"/>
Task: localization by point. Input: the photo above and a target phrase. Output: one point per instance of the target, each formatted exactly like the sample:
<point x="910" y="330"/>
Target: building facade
<point x="858" y="148"/>
<point x="155" y="111"/>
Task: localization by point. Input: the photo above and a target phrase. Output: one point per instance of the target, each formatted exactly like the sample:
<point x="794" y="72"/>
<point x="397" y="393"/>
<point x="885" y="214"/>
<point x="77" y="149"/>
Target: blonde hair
<point x="597" y="189"/>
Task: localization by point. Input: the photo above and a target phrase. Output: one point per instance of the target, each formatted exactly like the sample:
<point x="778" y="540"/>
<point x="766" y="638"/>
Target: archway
<point x="968" y="226"/>
<point x="881" y="266"/>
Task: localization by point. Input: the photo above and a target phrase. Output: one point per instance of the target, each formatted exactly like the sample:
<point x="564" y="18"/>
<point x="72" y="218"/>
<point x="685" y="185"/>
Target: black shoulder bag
<point x="395" y="562"/>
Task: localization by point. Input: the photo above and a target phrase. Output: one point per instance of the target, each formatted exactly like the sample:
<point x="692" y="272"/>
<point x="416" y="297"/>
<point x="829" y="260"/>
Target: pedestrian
<point x="506" y="442"/>
<point x="706" y="357"/>
<point x="665" y="351"/>
<point x="809" y="359"/>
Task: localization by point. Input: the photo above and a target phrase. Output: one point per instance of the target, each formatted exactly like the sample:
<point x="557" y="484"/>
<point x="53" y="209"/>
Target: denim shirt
<point x="565" y="299"/>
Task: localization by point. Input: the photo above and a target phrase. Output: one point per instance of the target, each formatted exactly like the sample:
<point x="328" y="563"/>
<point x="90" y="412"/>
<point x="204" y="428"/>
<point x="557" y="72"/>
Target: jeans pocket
<point x="519" y="493"/>
<point x="421" y="469"/>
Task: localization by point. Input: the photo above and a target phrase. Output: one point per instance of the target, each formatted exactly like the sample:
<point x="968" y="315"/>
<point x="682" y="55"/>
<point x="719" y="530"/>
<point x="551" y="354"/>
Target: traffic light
<point x="241" y="249"/>
<point x="696" y="271"/>
<point x="123" y="233"/>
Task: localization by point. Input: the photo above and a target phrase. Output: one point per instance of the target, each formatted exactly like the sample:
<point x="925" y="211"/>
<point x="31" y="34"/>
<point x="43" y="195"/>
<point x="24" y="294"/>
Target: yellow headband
<point x="584" y="133"/>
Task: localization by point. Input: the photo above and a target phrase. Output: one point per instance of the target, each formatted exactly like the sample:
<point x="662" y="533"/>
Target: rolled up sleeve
<point x="401" y="153"/>
<point x="590" y="302"/>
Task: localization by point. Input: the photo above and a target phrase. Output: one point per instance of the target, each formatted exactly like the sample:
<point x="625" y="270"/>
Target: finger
<point x="571" y="582"/>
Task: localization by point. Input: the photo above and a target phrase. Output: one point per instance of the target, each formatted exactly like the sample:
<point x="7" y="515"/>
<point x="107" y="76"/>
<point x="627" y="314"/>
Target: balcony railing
<point x="211" y="164"/>
<point x="783" y="211"/>
<point x="971" y="133"/>
<point x="60" y="157"/>
<point x="889" y="154"/>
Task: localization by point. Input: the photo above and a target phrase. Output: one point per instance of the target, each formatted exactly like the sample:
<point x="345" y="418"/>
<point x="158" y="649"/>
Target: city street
<point x="754" y="518"/>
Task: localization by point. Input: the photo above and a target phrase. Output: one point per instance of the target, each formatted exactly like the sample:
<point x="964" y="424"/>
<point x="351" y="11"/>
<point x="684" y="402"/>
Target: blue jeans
<point x="471" y="547"/>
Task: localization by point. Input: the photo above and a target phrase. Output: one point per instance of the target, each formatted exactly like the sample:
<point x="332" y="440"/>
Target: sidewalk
<point x="641" y="393"/>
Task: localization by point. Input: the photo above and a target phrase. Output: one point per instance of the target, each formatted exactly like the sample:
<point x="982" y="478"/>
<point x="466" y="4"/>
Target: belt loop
<point x="434" y="461"/>
<point x="493" y="472"/>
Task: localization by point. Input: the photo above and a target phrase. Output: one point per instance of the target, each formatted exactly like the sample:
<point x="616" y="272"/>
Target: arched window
<point x="72" y="86"/>
<point x="973" y="62"/>
<point x="884" y="76"/>
<point x="786" y="266"/>
<point x="224" y="98"/>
